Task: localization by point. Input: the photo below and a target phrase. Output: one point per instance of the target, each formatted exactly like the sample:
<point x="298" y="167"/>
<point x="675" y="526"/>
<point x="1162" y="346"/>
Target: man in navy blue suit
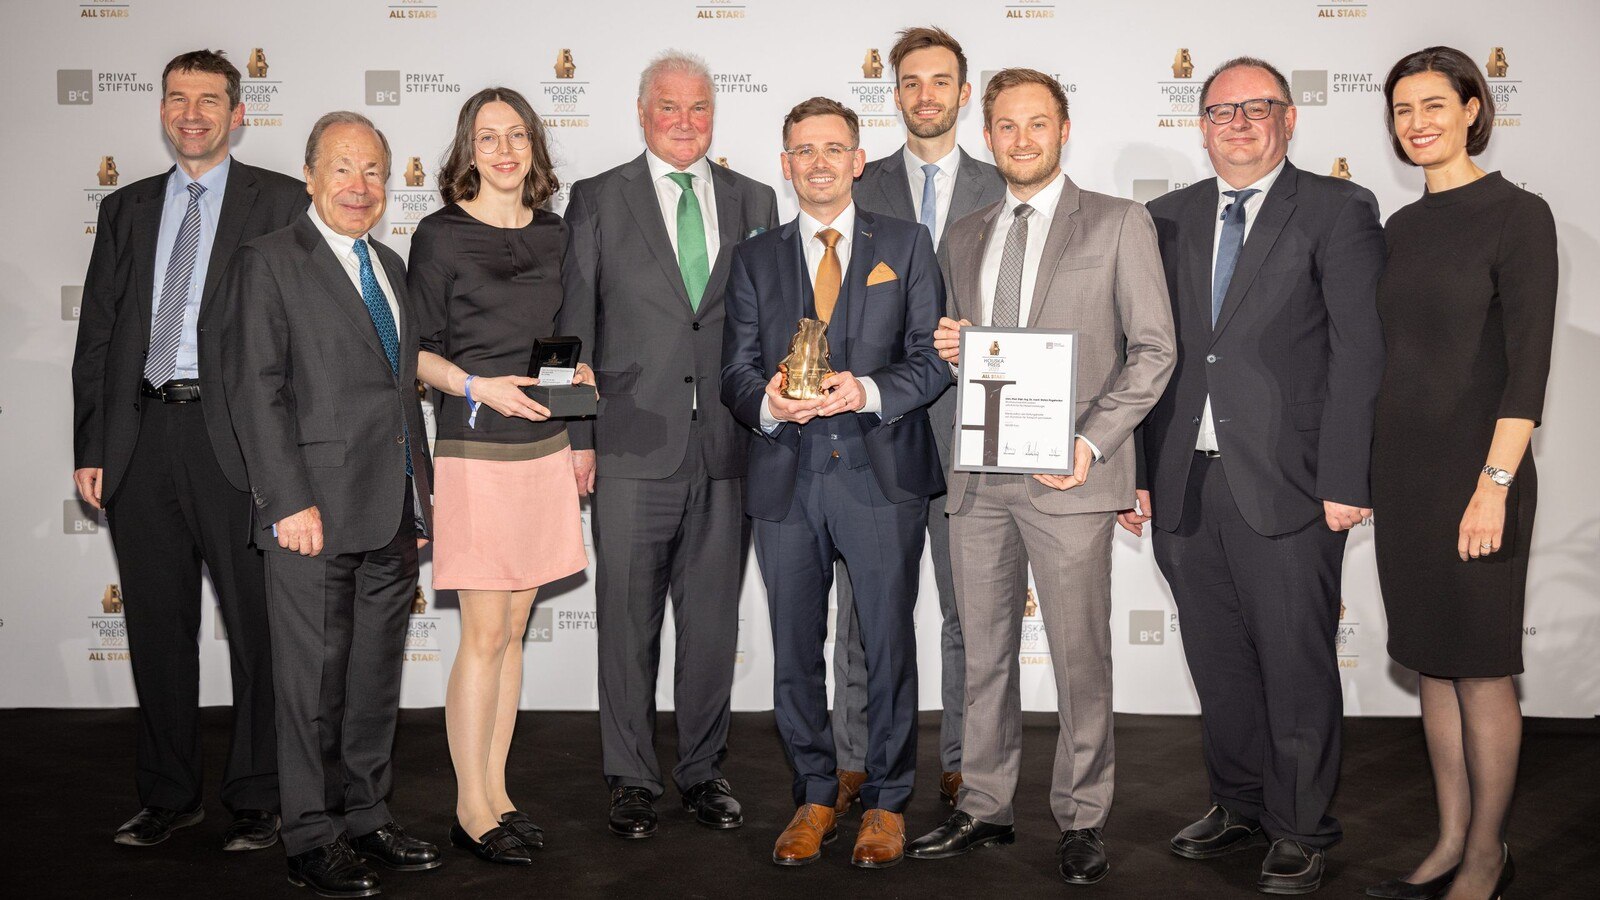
<point x="846" y="475"/>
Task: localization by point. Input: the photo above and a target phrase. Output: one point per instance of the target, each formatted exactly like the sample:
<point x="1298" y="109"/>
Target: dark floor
<point x="67" y="784"/>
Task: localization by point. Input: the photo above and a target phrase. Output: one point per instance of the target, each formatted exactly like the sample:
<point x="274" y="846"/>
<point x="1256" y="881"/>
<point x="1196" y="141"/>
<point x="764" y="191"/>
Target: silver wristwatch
<point x="1499" y="476"/>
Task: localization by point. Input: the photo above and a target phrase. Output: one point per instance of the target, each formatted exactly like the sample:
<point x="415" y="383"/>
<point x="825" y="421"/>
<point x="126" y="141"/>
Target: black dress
<point x="1468" y="305"/>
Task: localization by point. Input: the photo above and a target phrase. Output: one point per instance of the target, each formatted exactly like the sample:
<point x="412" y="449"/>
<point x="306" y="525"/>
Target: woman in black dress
<point x="1468" y="305"/>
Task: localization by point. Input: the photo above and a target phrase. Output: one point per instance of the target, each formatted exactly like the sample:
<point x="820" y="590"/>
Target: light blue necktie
<point x="383" y="320"/>
<point x="930" y="201"/>
<point x="167" y="330"/>
<point x="1228" y="250"/>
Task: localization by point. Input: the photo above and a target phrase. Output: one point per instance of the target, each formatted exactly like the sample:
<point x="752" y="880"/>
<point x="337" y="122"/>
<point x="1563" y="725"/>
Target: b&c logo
<point x="78" y="517"/>
<point x="1309" y="87"/>
<point x="383" y="87"/>
<point x="541" y="626"/>
<point x="1147" y="189"/>
<point x="74" y="87"/>
<point x="71" y="302"/>
<point x="1147" y="626"/>
<point x="566" y="66"/>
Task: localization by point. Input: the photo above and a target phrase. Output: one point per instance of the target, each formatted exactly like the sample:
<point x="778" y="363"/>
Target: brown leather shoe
<point x="881" y="842"/>
<point x="849" y="790"/>
<point x="950" y="786"/>
<point x="801" y="842"/>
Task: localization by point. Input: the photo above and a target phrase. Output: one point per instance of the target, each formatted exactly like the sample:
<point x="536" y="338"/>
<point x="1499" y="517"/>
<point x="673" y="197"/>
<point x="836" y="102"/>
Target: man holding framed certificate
<point x="1071" y="344"/>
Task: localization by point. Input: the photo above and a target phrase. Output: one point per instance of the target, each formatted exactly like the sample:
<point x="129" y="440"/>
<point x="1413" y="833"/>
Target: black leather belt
<point x="185" y="390"/>
<point x="1209" y="454"/>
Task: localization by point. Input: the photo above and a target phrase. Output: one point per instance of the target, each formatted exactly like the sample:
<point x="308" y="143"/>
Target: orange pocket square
<point x="881" y="273"/>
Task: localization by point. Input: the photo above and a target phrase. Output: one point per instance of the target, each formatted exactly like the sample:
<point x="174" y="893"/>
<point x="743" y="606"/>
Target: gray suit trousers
<point x="685" y="535"/>
<point x="993" y="541"/>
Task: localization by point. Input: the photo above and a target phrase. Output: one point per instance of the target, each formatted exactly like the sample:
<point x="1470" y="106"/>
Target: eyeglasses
<point x="806" y="155"/>
<point x="1222" y="113"/>
<point x="488" y="142"/>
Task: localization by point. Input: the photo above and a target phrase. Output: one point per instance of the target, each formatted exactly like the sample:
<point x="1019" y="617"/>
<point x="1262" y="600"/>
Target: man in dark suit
<point x="646" y="264"/>
<point x="320" y="346"/>
<point x="847" y="474"/>
<point x="1256" y="463"/>
<point x="154" y="446"/>
<point x="932" y="181"/>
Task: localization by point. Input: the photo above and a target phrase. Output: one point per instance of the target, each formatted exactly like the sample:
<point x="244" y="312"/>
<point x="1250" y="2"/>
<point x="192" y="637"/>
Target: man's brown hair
<point x="211" y="62"/>
<point x="921" y="38"/>
<point x="822" y="106"/>
<point x="1010" y="78"/>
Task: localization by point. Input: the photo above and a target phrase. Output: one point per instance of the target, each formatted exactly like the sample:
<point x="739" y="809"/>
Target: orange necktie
<point x="826" y="289"/>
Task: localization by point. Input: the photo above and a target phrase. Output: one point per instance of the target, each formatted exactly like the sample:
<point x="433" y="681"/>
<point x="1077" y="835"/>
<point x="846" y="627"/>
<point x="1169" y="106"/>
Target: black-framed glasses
<point x="807" y="154"/>
<point x="1222" y="113"/>
<point x="488" y="142"/>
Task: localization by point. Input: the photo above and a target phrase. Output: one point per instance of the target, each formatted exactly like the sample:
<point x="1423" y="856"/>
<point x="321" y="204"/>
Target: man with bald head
<point x="1254" y="464"/>
<point x="321" y="348"/>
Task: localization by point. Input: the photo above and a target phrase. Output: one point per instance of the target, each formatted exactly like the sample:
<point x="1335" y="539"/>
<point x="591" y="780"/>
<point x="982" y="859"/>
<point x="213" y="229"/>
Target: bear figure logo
<point x="872" y="65"/>
<point x="257" y="66"/>
<point x="1341" y="168"/>
<point x="1182" y="64"/>
<point x="414" y="173"/>
<point x="1497" y="65"/>
<point x="108" y="171"/>
<point x="566" y="67"/>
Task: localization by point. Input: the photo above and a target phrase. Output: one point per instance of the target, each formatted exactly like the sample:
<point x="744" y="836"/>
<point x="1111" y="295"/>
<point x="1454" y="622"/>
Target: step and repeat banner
<point x="82" y="87"/>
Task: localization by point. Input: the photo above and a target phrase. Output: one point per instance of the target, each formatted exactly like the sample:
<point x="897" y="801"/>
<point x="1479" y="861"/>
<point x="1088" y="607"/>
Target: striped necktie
<point x="166" y="332"/>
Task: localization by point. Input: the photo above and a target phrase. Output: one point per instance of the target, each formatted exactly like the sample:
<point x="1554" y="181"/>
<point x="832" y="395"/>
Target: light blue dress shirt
<point x="173" y="206"/>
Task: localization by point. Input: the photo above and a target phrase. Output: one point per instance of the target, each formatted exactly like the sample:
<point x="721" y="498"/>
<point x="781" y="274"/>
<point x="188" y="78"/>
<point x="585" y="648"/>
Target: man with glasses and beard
<point x="932" y="181"/>
<point x="1048" y="255"/>
<point x="846" y="474"/>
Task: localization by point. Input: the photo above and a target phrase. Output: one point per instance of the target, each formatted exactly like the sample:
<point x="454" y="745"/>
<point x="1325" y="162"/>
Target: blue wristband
<point x="472" y="418"/>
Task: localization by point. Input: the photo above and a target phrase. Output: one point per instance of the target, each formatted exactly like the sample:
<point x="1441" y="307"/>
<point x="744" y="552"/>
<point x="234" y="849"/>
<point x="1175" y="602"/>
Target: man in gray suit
<point x="1048" y="256"/>
<point x="320" y="353"/>
<point x="648" y="254"/>
<point x="932" y="181"/>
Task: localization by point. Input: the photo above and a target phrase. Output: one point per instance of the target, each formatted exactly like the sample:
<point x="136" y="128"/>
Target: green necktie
<point x="692" y="260"/>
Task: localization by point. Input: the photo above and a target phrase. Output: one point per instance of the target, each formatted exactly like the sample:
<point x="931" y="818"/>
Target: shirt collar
<point x="844" y="223"/>
<point x="1262" y="184"/>
<point x="214" y="181"/>
<point x="342" y="245"/>
<point x="1044" y="202"/>
<point x="948" y="165"/>
<point x="660" y="168"/>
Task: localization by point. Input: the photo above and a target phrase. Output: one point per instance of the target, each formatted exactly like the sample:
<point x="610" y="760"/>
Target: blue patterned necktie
<point x="383" y="320"/>
<point x="1228" y="250"/>
<point x="167" y="330"/>
<point x="930" y="201"/>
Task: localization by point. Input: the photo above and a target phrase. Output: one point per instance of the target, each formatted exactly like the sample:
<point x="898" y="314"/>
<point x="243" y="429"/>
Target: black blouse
<point x="483" y="296"/>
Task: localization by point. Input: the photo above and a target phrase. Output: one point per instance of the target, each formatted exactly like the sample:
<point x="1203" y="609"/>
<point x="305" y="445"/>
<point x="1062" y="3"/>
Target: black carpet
<point x="68" y="783"/>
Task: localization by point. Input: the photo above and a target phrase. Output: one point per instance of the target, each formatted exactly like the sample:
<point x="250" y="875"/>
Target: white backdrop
<point x="82" y="88"/>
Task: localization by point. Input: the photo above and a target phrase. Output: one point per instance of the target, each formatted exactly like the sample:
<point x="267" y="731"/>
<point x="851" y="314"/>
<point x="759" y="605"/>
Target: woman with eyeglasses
<point x="485" y="273"/>
<point x="1468" y="306"/>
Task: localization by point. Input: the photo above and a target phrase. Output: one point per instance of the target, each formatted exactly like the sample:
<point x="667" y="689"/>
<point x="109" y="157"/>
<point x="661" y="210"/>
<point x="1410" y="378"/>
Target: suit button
<point x="400" y="438"/>
<point x="833" y="437"/>
<point x="695" y="326"/>
<point x="1211" y="358"/>
<point x="835" y="454"/>
<point x="1196" y="421"/>
<point x="688" y="379"/>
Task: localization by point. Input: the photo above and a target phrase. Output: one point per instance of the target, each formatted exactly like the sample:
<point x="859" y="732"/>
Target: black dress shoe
<point x="1083" y="856"/>
<point x="333" y="870"/>
<point x="633" y="814"/>
<point x="1400" y="889"/>
<point x="155" y="824"/>
<point x="713" y="805"/>
<point x="252" y="829"/>
<point x="957" y="835"/>
<point x="399" y="851"/>
<point x="497" y="845"/>
<point x="1290" y="868"/>
<point x="522" y="826"/>
<point x="1220" y="831"/>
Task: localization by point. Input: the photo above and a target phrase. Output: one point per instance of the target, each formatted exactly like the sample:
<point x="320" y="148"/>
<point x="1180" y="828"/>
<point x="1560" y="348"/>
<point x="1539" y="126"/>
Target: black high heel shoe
<point x="1507" y="872"/>
<point x="498" y="845"/>
<point x="1400" y="889"/>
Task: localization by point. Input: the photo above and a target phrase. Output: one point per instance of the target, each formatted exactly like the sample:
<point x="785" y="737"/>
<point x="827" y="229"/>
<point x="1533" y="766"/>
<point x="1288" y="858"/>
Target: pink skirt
<point x="505" y="525"/>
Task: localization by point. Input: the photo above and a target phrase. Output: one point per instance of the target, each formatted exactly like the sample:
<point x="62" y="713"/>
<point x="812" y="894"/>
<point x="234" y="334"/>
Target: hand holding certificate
<point x="1015" y="403"/>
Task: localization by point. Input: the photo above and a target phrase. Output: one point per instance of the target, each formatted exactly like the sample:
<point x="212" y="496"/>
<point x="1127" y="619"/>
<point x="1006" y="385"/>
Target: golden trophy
<point x="807" y="363"/>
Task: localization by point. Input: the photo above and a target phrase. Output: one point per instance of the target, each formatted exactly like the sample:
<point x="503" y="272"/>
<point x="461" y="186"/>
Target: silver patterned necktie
<point x="166" y="330"/>
<point x="929" y="216"/>
<point x="1008" y="287"/>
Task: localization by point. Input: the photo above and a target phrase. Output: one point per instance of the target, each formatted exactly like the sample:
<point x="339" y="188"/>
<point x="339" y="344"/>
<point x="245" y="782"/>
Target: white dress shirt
<point x="1044" y="210"/>
<point x="1207" y="439"/>
<point x="845" y="224"/>
<point x="668" y="192"/>
<point x="345" y="249"/>
<point x="944" y="186"/>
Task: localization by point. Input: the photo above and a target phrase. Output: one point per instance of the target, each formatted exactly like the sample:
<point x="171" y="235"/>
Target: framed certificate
<point x="1015" y="393"/>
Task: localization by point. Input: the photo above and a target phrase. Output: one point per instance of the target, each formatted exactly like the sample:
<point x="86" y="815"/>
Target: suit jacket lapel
<point x="402" y="303"/>
<point x="146" y="234"/>
<point x="640" y="193"/>
<point x="238" y="196"/>
<point x="1273" y="215"/>
<point x="854" y="289"/>
<point x="729" y="200"/>
<point x="895" y="188"/>
<point x="1062" y="225"/>
<point x="969" y="278"/>
<point x="1199" y="238"/>
<point x="968" y="194"/>
<point x="330" y="273"/>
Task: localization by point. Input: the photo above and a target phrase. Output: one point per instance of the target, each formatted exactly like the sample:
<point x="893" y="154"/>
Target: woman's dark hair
<point x="458" y="180"/>
<point x="1464" y="77"/>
